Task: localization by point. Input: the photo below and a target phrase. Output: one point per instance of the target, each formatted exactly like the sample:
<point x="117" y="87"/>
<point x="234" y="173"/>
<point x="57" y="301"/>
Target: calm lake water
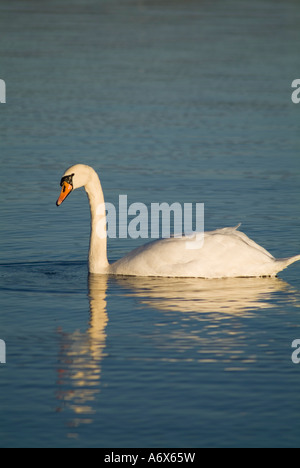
<point x="170" y="101"/>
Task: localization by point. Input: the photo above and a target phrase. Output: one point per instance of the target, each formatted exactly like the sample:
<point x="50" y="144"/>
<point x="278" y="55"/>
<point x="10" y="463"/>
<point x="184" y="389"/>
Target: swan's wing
<point x="243" y="237"/>
<point x="225" y="252"/>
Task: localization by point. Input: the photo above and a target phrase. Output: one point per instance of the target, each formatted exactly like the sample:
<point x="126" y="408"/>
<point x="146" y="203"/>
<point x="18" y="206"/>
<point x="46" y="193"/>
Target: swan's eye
<point x="67" y="179"/>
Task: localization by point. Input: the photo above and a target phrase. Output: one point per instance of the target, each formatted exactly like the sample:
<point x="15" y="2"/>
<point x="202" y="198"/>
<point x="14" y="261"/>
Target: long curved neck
<point x="98" y="262"/>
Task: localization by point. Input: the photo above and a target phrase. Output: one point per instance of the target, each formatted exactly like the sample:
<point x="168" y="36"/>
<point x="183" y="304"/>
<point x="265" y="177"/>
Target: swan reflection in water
<point x="227" y="297"/>
<point x="82" y="353"/>
<point x="80" y="358"/>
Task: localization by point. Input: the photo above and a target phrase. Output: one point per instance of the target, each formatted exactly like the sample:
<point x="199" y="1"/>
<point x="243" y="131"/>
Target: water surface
<point x="169" y="101"/>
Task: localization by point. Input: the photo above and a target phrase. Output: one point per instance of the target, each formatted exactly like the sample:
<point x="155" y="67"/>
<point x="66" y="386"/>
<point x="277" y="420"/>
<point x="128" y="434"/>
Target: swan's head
<point x="74" y="178"/>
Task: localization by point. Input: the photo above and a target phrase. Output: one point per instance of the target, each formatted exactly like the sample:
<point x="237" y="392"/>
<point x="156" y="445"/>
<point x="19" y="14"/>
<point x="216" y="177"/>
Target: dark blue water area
<point x="143" y="362"/>
<point x="170" y="102"/>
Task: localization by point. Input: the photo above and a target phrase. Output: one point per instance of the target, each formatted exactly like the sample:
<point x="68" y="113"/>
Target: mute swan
<point x="225" y="252"/>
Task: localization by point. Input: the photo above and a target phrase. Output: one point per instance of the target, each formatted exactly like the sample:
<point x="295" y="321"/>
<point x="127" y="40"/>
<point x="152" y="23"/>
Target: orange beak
<point x="65" y="191"/>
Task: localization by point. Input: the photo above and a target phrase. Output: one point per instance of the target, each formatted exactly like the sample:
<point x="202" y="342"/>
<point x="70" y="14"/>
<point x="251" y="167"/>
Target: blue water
<point x="169" y="101"/>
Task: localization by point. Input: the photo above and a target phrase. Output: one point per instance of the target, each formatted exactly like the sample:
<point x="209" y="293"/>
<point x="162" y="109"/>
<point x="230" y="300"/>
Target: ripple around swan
<point x="44" y="277"/>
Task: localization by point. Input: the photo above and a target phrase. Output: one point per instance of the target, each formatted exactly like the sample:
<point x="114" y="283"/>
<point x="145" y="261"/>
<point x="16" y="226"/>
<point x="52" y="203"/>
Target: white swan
<point x="225" y="252"/>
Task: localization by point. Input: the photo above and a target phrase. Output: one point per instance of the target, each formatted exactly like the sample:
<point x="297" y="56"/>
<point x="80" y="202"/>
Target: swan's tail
<point x="285" y="262"/>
